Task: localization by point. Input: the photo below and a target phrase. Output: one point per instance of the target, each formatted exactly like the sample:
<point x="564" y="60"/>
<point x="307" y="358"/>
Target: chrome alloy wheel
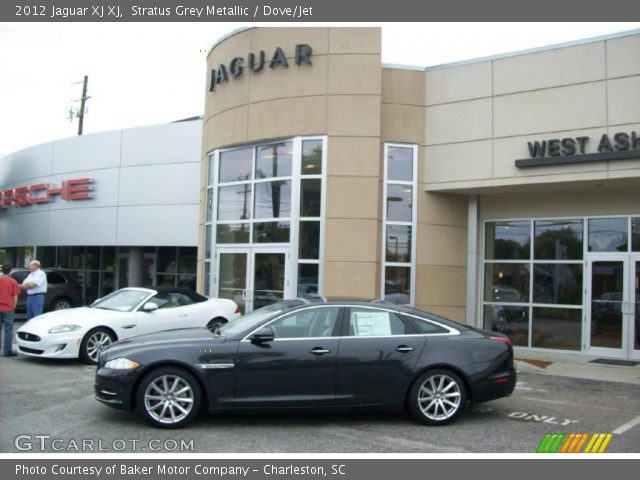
<point x="95" y="343"/>
<point x="168" y="399"/>
<point x="439" y="397"/>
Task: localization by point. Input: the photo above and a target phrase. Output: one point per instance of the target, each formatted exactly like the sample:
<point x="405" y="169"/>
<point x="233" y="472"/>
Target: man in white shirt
<point x="36" y="286"/>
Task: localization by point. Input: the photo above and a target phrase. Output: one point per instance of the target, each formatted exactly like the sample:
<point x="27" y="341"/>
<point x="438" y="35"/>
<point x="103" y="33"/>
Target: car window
<point x="170" y="300"/>
<point x="308" y="323"/>
<point x="54" y="277"/>
<point x="425" y="326"/>
<point x="19" y="276"/>
<point x="369" y="322"/>
<point x="121" y="300"/>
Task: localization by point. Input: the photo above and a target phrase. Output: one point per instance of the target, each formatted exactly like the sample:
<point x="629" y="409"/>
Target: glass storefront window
<point x="398" y="243"/>
<point x="77" y="258"/>
<point x="608" y="234"/>
<point x="635" y="235"/>
<point x="46" y="256"/>
<point x="235" y="165"/>
<point x="400" y="164"/>
<point x="271" y="232"/>
<point x="507" y="282"/>
<point x="557" y="328"/>
<point x="232" y="233"/>
<point x="273" y="199"/>
<point x="310" y="197"/>
<point x="311" y="157"/>
<point x="207" y="241"/>
<point x="234" y="202"/>
<point x="508" y="240"/>
<point x="511" y="320"/>
<point x="557" y="283"/>
<point x="108" y="258"/>
<point x="93" y="258"/>
<point x="209" y="216"/>
<point x="308" y="279"/>
<point x="274" y="160"/>
<point x="558" y="240"/>
<point x="309" y="240"/>
<point x="167" y="260"/>
<point x="397" y="285"/>
<point x="399" y="203"/>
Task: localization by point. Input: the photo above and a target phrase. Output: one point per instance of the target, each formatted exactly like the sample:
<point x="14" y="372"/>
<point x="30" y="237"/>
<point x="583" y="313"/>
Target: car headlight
<point x="64" y="328"/>
<point x="121" y="364"/>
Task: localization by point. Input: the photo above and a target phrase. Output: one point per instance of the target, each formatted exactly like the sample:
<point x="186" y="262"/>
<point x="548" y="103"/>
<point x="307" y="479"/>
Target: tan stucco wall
<point x="480" y="116"/>
<point x="339" y="96"/>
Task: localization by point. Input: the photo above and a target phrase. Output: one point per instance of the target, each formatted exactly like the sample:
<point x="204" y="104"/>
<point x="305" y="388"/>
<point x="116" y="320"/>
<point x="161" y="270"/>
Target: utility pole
<point x="79" y="112"/>
<point x="82" y="103"/>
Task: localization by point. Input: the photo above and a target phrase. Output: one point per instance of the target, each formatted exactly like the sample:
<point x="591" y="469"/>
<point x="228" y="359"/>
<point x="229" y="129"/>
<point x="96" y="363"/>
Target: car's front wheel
<point x="169" y="397"/>
<point x="437" y="397"/>
<point x="93" y="342"/>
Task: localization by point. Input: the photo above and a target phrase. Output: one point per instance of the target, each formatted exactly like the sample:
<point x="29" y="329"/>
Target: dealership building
<point x="501" y="192"/>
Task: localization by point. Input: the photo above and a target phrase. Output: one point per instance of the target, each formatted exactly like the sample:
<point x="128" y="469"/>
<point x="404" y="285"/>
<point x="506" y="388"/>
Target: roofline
<point x="233" y="33"/>
<point x="517" y="53"/>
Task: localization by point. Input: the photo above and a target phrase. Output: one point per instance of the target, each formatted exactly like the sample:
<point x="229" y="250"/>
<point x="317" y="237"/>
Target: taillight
<point x="504" y="340"/>
<point x="237" y="309"/>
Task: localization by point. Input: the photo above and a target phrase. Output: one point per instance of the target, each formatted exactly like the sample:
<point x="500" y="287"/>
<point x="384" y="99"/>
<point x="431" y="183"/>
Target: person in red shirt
<point x="9" y="291"/>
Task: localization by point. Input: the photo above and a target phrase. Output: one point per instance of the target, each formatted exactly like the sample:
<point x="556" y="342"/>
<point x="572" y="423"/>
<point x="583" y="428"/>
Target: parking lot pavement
<point x="49" y="406"/>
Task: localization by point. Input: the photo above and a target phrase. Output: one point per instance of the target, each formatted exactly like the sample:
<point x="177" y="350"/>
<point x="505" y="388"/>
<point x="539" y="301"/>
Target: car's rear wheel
<point x="437" y="397"/>
<point x="215" y="323"/>
<point x="61" y="303"/>
<point x="93" y="342"/>
<point x="169" y="397"/>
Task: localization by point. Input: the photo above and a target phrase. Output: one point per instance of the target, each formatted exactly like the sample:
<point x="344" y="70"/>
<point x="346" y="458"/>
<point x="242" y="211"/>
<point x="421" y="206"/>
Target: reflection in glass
<point x="397" y="285"/>
<point x="558" y="240"/>
<point x="207" y="278"/>
<point x="167" y="260"/>
<point x="46" y="256"/>
<point x="309" y="240"/>
<point x="399" y="203"/>
<point x="635" y="234"/>
<point x="557" y="283"/>
<point x="233" y="277"/>
<point x="310" y="196"/>
<point x="274" y="160"/>
<point x="308" y="279"/>
<point x="108" y="258"/>
<point x="398" y="243"/>
<point x="271" y="232"/>
<point x="607" y="284"/>
<point x="558" y="328"/>
<point x="207" y="241"/>
<point x="268" y="279"/>
<point x="311" y="157"/>
<point x="608" y="234"/>
<point x="187" y="260"/>
<point x="506" y="282"/>
<point x="93" y="258"/>
<point x="235" y="165"/>
<point x="508" y="241"/>
<point x="209" y="205"/>
<point x="273" y="199"/>
<point x="511" y="320"/>
<point x="400" y="164"/>
<point x="232" y="233"/>
<point x="234" y="202"/>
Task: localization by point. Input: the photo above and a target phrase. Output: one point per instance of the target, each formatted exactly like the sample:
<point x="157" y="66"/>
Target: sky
<point x="153" y="73"/>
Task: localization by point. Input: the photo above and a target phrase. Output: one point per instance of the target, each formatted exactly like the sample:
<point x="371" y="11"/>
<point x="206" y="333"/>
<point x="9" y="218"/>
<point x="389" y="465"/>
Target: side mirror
<point x="149" y="307"/>
<point x="265" y="334"/>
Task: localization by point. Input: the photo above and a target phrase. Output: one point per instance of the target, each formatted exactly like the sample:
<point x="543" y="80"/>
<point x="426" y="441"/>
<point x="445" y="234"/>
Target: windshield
<point x="122" y="300"/>
<point x="248" y="322"/>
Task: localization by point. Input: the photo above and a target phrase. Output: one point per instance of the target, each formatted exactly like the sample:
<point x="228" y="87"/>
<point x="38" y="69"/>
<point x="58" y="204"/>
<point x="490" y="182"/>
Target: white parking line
<point x="627" y="426"/>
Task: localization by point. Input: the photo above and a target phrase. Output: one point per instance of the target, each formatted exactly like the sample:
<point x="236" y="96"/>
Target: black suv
<point x="62" y="291"/>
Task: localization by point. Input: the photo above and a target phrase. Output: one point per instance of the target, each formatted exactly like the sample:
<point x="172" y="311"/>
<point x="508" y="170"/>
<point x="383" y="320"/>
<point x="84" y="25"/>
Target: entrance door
<point x="612" y="305"/>
<point x="253" y="277"/>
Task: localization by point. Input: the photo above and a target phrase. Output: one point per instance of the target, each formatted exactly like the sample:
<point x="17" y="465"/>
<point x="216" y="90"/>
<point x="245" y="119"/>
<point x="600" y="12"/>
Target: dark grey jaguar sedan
<point x="322" y="355"/>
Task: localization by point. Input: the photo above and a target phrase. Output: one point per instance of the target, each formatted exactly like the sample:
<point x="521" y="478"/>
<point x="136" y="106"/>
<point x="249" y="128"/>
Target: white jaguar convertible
<point x="83" y="332"/>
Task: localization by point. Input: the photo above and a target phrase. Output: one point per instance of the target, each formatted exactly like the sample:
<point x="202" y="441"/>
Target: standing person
<point x="9" y="291"/>
<point x="36" y="286"/>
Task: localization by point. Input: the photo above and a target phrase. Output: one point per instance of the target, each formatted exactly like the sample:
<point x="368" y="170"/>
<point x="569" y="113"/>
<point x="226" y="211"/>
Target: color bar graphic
<point x="558" y="442"/>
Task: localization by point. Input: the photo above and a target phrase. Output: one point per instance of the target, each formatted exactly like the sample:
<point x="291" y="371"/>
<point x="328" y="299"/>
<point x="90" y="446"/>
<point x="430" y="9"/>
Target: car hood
<point x="82" y="316"/>
<point x="164" y="340"/>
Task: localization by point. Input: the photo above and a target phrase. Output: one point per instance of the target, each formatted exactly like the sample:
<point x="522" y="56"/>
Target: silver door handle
<point x="320" y="351"/>
<point x="405" y="349"/>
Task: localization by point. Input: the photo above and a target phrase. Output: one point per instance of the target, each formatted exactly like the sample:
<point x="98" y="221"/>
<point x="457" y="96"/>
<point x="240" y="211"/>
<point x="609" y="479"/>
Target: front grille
<point x="28" y="337"/>
<point x="31" y="350"/>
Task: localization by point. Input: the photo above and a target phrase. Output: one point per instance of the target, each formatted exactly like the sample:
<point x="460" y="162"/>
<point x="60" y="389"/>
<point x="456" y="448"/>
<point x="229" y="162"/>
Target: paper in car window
<point x="371" y="323"/>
